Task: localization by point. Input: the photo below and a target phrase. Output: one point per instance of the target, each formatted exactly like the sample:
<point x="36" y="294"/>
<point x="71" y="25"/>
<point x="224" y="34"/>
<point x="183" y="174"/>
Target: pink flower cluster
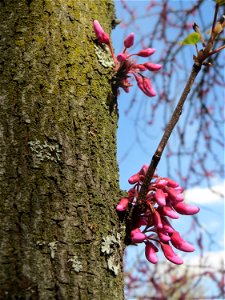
<point x="125" y="66"/>
<point x="164" y="200"/>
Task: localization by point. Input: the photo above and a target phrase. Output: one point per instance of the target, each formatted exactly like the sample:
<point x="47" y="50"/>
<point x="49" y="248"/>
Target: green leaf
<point x="192" y="39"/>
<point x="220" y="2"/>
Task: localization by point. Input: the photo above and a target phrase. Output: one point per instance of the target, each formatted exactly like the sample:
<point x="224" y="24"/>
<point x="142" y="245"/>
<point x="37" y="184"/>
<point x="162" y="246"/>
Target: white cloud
<point x="205" y="195"/>
<point x="212" y="259"/>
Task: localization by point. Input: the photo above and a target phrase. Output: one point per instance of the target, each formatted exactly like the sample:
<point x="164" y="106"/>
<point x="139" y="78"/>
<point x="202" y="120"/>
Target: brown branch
<point x="172" y="123"/>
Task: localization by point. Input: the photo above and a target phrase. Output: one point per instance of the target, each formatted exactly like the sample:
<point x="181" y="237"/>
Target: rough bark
<point x="60" y="236"/>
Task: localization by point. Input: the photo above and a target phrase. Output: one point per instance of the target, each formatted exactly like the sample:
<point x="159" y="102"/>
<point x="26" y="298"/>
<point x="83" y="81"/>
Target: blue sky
<point x="131" y="156"/>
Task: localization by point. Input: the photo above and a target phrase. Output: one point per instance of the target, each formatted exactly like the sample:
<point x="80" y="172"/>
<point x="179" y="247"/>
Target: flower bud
<point x="146" y="52"/>
<point x="137" y="236"/>
<point x="134" y="179"/>
<point x="161" y="183"/>
<point x="180" y="244"/>
<point x="152" y="67"/>
<point x="168" y="211"/>
<point x="100" y="33"/>
<point x="170" y="254"/>
<point x="185" y="209"/>
<point x="166" y="225"/>
<point x="160" y="197"/>
<point x="139" y="67"/>
<point x="143" y="172"/>
<point x="174" y="195"/>
<point x="163" y="236"/>
<point x="171" y="183"/>
<point x="148" y="88"/>
<point x="123" y="204"/>
<point x="121" y="57"/>
<point x="129" y="40"/>
<point x="150" y="252"/>
<point x="157" y="219"/>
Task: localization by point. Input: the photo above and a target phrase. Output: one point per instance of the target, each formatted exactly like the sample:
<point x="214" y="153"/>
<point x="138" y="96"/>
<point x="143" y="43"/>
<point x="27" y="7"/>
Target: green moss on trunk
<point x="58" y="169"/>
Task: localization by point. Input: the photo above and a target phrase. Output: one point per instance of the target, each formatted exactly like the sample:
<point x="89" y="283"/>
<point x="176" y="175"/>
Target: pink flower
<point x="123" y="204"/>
<point x="152" y="67"/>
<point x="168" y="211"/>
<point x="185" y="209"/>
<point x="157" y="219"/>
<point x="138" y="176"/>
<point x="163" y="235"/>
<point x="148" y="88"/>
<point x="129" y="40"/>
<point x="180" y="244"/>
<point x="145" y="85"/>
<point x="160" y="197"/>
<point x="143" y="172"/>
<point x="170" y="254"/>
<point x="146" y="52"/>
<point x="150" y="252"/>
<point x="166" y="225"/>
<point x="174" y="195"/>
<point x="121" y="57"/>
<point x="124" y="66"/>
<point x="100" y="33"/>
<point x="137" y="236"/>
<point x="134" y="178"/>
<point x="139" y="67"/>
<point x="164" y="199"/>
<point x="171" y="183"/>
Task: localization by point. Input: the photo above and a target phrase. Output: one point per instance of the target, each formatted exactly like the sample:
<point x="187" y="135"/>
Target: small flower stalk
<point x="151" y="224"/>
<point x="125" y="65"/>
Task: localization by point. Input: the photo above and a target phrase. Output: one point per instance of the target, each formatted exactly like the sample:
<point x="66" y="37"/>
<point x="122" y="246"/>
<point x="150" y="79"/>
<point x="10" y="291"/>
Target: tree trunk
<point x="60" y="234"/>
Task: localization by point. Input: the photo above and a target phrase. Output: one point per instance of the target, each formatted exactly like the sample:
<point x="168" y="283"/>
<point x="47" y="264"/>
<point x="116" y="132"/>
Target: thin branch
<point x="172" y="123"/>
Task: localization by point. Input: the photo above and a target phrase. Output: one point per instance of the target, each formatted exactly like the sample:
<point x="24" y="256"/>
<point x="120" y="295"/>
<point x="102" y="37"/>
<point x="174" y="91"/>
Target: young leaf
<point x="191" y="39"/>
<point x="220" y="2"/>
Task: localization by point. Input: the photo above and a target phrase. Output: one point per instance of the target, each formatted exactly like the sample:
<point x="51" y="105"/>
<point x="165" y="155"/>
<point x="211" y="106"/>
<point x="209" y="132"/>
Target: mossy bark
<point x="60" y="234"/>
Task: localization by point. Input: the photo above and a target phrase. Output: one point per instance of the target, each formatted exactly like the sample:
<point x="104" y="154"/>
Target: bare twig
<point x="172" y="123"/>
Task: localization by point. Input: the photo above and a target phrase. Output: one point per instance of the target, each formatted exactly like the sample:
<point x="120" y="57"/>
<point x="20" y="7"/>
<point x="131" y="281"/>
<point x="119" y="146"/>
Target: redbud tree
<point x="61" y="234"/>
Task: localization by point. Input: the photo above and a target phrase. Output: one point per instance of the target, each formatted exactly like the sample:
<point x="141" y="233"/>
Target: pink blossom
<point x="150" y="252"/>
<point x="164" y="199"/>
<point x="129" y="40"/>
<point x="100" y="33"/>
<point x="168" y="211"/>
<point x="133" y="179"/>
<point x="139" y="67"/>
<point x="174" y="194"/>
<point x="121" y="57"/>
<point x="148" y="88"/>
<point x="160" y="197"/>
<point x="185" y="209"/>
<point x="145" y="85"/>
<point x="137" y="236"/>
<point x="166" y="225"/>
<point x="143" y="172"/>
<point x="171" y="183"/>
<point x="123" y="204"/>
<point x="124" y="65"/>
<point x="163" y="235"/>
<point x="152" y="67"/>
<point x="180" y="244"/>
<point x="138" y="176"/>
<point x="157" y="219"/>
<point x="146" y="52"/>
<point x="170" y="254"/>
